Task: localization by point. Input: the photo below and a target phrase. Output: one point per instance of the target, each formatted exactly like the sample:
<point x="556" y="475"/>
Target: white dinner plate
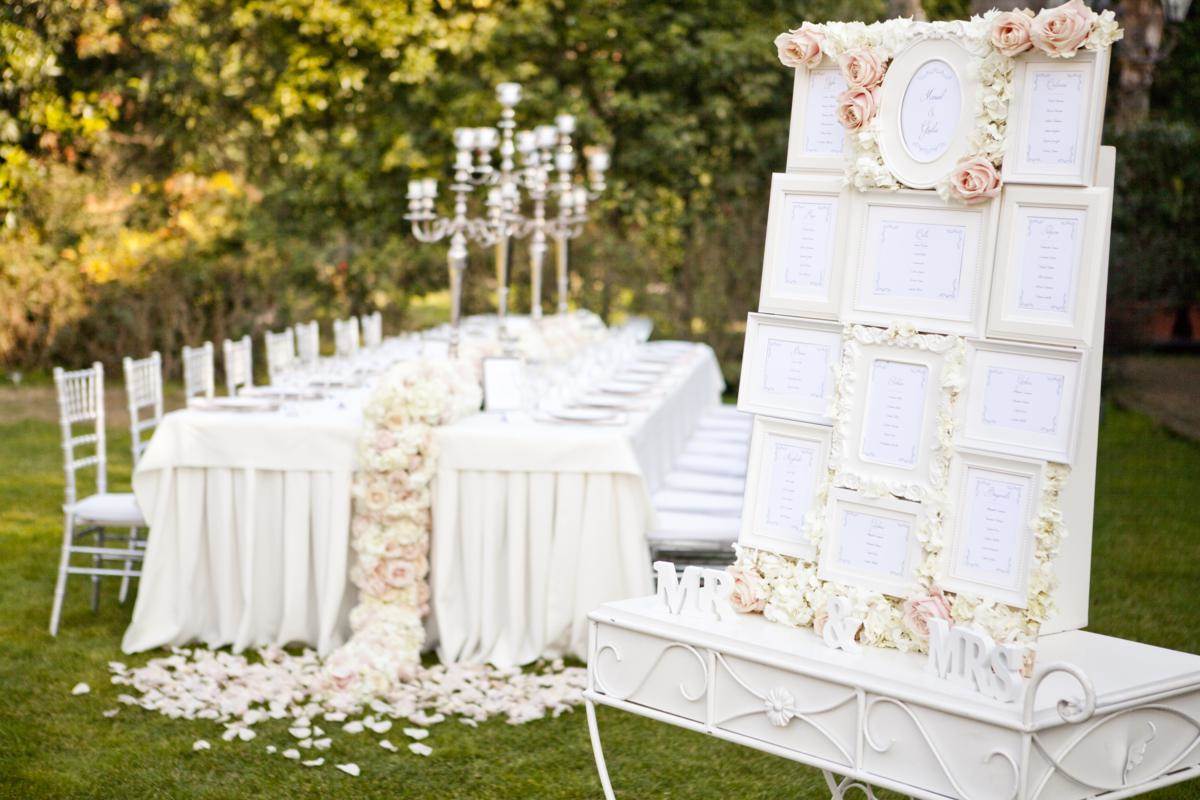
<point x="584" y="414"/>
<point x="233" y="404"/>
<point x="623" y="387"/>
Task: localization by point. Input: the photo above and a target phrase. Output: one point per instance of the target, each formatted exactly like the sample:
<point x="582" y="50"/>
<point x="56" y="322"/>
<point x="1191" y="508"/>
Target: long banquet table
<point x="535" y="523"/>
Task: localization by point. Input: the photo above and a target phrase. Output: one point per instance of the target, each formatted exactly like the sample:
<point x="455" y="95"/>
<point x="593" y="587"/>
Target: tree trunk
<point x="906" y="8"/>
<point x="1137" y="54"/>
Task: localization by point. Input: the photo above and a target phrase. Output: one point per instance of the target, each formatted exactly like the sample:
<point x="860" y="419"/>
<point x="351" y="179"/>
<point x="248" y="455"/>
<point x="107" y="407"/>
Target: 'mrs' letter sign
<point x="970" y="657"/>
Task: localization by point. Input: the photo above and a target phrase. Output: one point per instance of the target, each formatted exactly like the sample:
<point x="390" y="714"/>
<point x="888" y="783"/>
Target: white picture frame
<point x="1046" y="277"/>
<point x="872" y="542"/>
<point x="990" y="527"/>
<point x="1055" y="118"/>
<point x="927" y="110"/>
<point x="888" y="432"/>
<point x="788" y="367"/>
<point x="503" y="383"/>
<point x="815" y="132"/>
<point x="919" y="258"/>
<point x="785" y="475"/>
<point x="805" y="246"/>
<point x="1022" y="400"/>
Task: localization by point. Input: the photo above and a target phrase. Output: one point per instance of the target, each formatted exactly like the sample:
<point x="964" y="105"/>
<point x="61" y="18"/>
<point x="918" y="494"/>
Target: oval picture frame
<point x="929" y="86"/>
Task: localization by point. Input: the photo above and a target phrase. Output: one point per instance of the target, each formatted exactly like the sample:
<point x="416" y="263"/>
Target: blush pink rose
<point x="974" y="180"/>
<point x="800" y="47"/>
<point x="749" y="593"/>
<point x="1010" y="32"/>
<point x="922" y="608"/>
<point x="862" y="68"/>
<point x="820" y="617"/>
<point x="399" y="573"/>
<point x="857" y="107"/>
<point x="1061" y="31"/>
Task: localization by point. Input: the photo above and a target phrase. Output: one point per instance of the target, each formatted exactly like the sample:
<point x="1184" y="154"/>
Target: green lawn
<point x="1145" y="580"/>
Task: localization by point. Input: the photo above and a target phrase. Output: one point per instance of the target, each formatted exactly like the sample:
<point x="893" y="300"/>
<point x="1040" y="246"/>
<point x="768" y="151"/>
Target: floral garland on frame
<point x="788" y="590"/>
<point x="391" y="523"/>
<point x="863" y="53"/>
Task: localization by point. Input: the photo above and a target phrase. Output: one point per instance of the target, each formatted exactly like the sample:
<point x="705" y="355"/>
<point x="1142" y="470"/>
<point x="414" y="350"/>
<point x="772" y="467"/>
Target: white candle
<point x="565" y="123"/>
<point x="509" y="94"/>
<point x="486" y="138"/>
<point x="564" y="161"/>
<point x="429" y="187"/>
<point x="464" y="138"/>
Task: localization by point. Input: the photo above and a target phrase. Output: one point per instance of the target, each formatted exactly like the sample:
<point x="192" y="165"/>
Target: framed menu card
<point x="1022" y="400"/>
<point x="788" y="465"/>
<point x="918" y="258"/>
<point x="788" y="367"/>
<point x="806" y="245"/>
<point x="817" y="140"/>
<point x="890" y="430"/>
<point x="1055" y="118"/>
<point x="871" y="542"/>
<point x="1047" y="272"/>
<point x="990" y="541"/>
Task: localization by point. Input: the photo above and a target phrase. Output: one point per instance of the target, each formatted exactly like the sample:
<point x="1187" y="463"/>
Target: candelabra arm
<point x="563" y="250"/>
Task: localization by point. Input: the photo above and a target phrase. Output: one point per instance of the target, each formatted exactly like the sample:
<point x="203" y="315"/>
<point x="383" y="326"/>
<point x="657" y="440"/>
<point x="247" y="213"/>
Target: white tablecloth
<point x="249" y="519"/>
<point x="536" y="524"/>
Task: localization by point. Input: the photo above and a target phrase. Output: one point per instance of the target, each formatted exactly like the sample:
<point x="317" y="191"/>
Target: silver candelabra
<point x="545" y="173"/>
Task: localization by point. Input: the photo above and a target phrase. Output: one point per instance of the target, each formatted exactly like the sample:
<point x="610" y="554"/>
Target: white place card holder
<point x="503" y="384"/>
<point x="918" y="258"/>
<point x="871" y="542"/>
<point x="788" y="367"/>
<point x="787" y="467"/>
<point x="1022" y="400"/>
<point x="1055" y="118"/>
<point x="926" y="111"/>
<point x="891" y="427"/>
<point x="806" y="236"/>
<point x="1046" y="278"/>
<point x="990" y="534"/>
<point x="817" y="140"/>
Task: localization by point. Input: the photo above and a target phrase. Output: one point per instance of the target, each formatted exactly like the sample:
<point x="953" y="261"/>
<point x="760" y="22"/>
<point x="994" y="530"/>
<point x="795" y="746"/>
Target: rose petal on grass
<point x="200" y="744"/>
<point x="292" y="753"/>
<point x="300" y="733"/>
<point x="313" y="762"/>
<point x="353" y="727"/>
<point x="80" y="688"/>
<point x="322" y="744"/>
<point x="416" y="733"/>
<point x="420" y="749"/>
<point x="386" y="745"/>
<point x="349" y="769"/>
<point x="271" y="749"/>
<point x="112" y="712"/>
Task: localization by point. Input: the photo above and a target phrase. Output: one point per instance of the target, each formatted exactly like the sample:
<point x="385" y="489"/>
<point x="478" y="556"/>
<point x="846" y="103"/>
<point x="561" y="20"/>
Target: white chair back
<point x="81" y="401"/>
<point x="308" y="342"/>
<point x="198" y="380"/>
<point x="345" y="337"/>
<point x="239" y="364"/>
<point x="372" y="330"/>
<point x="144" y="390"/>
<point x="281" y="353"/>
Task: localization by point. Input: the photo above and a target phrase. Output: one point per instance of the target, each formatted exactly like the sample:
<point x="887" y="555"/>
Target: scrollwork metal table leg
<point x="597" y="751"/>
<point x="839" y="787"/>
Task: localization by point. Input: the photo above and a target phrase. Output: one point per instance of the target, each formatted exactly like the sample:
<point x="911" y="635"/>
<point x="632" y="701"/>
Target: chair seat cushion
<point x="701" y="482"/>
<point x="109" y="508"/>
<point x="711" y="465"/>
<point x="724" y="505"/>
<point x="676" y="526"/>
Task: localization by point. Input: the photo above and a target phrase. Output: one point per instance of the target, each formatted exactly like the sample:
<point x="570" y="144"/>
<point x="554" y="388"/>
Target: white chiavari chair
<point x="308" y="342"/>
<point x="81" y="402"/>
<point x="198" y="379"/>
<point x="239" y="364"/>
<point x="144" y="393"/>
<point x="281" y="353"/>
<point x="345" y="337"/>
<point x="372" y="330"/>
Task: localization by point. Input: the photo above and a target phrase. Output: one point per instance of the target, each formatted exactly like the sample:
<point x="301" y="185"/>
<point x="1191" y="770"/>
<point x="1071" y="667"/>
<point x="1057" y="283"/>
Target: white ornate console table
<point x="1101" y="717"/>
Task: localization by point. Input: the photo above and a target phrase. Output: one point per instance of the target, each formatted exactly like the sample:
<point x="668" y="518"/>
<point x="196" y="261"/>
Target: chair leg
<point x="97" y="563"/>
<point x="60" y="585"/>
<point x="133" y="533"/>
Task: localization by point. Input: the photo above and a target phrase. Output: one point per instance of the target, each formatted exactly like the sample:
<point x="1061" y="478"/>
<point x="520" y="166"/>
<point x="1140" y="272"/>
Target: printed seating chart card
<point x="924" y="362"/>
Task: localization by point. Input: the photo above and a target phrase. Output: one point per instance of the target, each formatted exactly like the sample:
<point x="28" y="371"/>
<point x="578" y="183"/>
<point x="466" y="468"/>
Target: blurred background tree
<point x="193" y="169"/>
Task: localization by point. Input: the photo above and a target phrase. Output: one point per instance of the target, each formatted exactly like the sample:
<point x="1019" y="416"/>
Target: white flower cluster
<point x="391" y="524"/>
<point x="788" y="591"/>
<point x="239" y="693"/>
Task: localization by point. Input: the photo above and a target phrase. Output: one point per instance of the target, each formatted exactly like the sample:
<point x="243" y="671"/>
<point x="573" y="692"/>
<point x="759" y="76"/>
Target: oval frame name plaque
<point x="926" y="111"/>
